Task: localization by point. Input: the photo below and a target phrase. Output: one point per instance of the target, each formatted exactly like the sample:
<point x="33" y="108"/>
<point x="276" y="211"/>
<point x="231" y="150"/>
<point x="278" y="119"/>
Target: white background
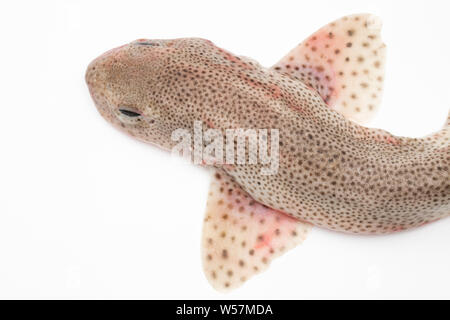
<point x="86" y="212"/>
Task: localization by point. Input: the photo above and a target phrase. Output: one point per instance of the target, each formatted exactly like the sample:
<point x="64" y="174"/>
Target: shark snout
<point x="102" y="64"/>
<point x="90" y="74"/>
<point x="96" y="76"/>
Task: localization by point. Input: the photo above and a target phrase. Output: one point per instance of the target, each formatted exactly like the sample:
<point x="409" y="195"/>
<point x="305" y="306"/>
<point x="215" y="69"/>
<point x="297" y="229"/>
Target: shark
<point x="332" y="171"/>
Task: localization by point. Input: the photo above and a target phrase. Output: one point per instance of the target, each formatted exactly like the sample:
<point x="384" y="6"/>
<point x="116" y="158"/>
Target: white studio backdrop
<point x="87" y="212"/>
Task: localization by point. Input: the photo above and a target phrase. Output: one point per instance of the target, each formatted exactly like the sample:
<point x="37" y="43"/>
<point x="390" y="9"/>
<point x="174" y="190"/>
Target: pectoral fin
<point x="241" y="236"/>
<point x="344" y="61"/>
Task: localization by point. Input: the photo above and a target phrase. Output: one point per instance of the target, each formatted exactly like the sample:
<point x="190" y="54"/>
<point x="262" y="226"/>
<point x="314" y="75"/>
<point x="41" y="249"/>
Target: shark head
<point x="147" y="87"/>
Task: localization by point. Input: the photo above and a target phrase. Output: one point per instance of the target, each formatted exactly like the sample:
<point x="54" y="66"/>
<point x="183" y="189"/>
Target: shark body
<point x="333" y="172"/>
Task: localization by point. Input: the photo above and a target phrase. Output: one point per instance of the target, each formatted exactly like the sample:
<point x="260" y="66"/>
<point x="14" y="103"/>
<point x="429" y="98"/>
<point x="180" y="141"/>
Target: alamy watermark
<point x="241" y="146"/>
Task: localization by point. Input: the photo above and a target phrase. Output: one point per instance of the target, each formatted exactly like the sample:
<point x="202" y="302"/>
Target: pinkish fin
<point x="441" y="139"/>
<point x="344" y="61"/>
<point x="241" y="236"/>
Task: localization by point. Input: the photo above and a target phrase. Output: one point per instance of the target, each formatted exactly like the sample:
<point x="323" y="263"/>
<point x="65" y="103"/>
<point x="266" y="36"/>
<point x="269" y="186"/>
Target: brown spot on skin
<point x="351" y="32"/>
<point x="224" y="253"/>
<point x="349" y="45"/>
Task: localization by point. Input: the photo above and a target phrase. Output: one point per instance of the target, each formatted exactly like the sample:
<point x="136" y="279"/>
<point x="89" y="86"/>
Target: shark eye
<point x="147" y="43"/>
<point x="129" y="113"/>
<point x="144" y="42"/>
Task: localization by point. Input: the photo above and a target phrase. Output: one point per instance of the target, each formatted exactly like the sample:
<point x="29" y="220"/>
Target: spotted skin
<point x="344" y="61"/>
<point x="333" y="172"/>
<point x="241" y="236"/>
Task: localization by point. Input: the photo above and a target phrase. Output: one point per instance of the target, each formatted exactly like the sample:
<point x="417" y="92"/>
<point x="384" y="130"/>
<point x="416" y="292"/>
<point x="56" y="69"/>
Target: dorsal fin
<point x="344" y="61"/>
